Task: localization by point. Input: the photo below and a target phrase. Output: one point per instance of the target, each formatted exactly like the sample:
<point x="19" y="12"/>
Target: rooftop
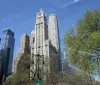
<point x="8" y="30"/>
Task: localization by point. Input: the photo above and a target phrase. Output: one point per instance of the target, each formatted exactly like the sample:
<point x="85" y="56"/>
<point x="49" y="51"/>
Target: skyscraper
<point x="24" y="48"/>
<point x="44" y="45"/>
<point x="41" y="32"/>
<point x="4" y="60"/>
<point x="53" y="32"/>
<point x="39" y="39"/>
<point x="7" y="42"/>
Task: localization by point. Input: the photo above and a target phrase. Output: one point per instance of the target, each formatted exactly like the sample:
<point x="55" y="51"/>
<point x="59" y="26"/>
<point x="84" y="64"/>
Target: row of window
<point x="39" y="26"/>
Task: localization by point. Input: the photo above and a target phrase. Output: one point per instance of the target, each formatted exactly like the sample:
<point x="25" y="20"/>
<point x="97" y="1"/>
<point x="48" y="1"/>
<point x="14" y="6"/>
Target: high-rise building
<point x="43" y="45"/>
<point x="7" y="42"/>
<point x="41" y="32"/>
<point x="4" y="61"/>
<point x="39" y="39"/>
<point x="24" y="48"/>
<point x="53" y="32"/>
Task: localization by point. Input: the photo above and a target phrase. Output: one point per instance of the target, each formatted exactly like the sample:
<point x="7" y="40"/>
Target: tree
<point x="23" y="70"/>
<point x="9" y="80"/>
<point x="70" y="79"/>
<point x="81" y="46"/>
<point x="22" y="76"/>
<point x="97" y="83"/>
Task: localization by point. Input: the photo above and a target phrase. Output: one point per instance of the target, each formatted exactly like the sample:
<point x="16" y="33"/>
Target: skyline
<point x="39" y="32"/>
<point x="19" y="16"/>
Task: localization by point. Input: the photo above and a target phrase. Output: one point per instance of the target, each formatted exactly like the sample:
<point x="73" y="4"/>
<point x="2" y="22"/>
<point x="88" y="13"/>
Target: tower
<point x="24" y="43"/>
<point x="53" y="30"/>
<point x="41" y="32"/>
<point x="39" y="36"/>
<point x="24" y="48"/>
<point x="8" y="41"/>
<point x="41" y="44"/>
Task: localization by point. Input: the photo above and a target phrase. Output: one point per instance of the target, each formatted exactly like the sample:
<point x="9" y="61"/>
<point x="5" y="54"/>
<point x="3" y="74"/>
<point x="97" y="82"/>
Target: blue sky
<point x="19" y="15"/>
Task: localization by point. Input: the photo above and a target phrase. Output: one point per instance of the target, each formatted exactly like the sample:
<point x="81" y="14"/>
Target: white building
<point x="54" y="31"/>
<point x="46" y="43"/>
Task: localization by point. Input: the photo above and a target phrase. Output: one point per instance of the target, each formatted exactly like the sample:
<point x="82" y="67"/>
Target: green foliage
<point x="8" y="80"/>
<point x="22" y="76"/>
<point x="97" y="83"/>
<point x="90" y="22"/>
<point x="70" y="79"/>
<point x="23" y="69"/>
<point x="83" y="44"/>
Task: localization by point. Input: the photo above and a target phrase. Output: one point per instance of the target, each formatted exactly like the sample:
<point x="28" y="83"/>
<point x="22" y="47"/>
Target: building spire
<point x="41" y="10"/>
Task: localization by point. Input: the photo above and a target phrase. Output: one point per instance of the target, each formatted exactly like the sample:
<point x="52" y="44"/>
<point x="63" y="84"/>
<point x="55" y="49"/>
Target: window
<point x="33" y="39"/>
<point x="39" y="26"/>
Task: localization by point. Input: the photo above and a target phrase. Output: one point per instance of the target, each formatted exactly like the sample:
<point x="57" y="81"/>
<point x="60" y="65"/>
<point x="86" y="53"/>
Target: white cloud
<point x="65" y="5"/>
<point x="76" y="1"/>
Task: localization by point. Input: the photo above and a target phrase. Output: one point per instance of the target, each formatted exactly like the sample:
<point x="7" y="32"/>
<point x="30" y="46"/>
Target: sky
<point x="19" y="15"/>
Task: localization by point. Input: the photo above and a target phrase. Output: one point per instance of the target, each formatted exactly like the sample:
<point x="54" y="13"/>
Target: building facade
<point x="7" y="42"/>
<point x="4" y="61"/>
<point x="53" y="33"/>
<point x="42" y="43"/>
<point x="24" y="48"/>
<point x="53" y="30"/>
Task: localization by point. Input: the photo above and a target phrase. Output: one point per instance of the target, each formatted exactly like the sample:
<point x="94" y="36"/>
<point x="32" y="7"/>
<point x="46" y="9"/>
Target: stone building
<point x="53" y="33"/>
<point x="44" y="47"/>
<point x="24" y="48"/>
<point x="45" y="42"/>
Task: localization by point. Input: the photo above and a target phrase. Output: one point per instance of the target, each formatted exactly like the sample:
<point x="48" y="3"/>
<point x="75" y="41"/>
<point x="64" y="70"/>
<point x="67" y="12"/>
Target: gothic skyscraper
<point x="47" y="44"/>
<point x="41" y="32"/>
<point x="39" y="42"/>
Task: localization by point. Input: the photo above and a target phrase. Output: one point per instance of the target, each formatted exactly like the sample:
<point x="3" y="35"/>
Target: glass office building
<point x="7" y="42"/>
<point x="4" y="61"/>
